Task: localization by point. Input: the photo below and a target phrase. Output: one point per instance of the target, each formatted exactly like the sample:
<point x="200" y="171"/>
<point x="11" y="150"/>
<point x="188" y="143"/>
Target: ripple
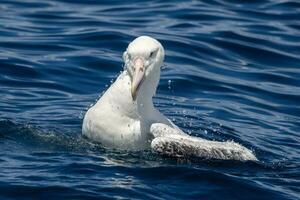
<point x="231" y="73"/>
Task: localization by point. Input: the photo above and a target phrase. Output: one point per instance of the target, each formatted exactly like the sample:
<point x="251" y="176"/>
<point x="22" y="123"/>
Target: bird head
<point x="143" y="57"/>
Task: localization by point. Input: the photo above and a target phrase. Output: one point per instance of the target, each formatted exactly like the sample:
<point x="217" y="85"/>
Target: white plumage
<point x="125" y="118"/>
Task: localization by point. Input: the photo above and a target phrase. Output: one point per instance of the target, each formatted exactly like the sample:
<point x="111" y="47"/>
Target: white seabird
<point x="125" y="118"/>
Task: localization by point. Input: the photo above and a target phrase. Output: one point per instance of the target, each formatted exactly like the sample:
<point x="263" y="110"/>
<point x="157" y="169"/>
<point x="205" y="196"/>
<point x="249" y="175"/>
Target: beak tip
<point x="133" y="95"/>
<point x="133" y="98"/>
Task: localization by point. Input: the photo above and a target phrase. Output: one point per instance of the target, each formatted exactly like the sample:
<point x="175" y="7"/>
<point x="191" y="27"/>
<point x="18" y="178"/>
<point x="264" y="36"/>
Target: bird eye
<point x="152" y="54"/>
<point x="129" y="56"/>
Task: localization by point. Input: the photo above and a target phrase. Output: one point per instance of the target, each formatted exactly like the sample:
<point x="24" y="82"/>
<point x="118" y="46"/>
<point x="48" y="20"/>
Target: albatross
<point x="125" y="117"/>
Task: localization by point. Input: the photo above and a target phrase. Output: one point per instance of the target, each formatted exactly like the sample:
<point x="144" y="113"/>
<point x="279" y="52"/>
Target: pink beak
<point x="138" y="76"/>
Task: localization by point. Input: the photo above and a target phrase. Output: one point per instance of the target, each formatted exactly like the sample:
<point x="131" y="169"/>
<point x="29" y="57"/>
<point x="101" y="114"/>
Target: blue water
<point x="232" y="72"/>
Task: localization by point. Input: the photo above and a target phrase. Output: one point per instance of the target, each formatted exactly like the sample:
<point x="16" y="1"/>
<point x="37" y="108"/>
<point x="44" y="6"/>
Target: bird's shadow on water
<point x="36" y="141"/>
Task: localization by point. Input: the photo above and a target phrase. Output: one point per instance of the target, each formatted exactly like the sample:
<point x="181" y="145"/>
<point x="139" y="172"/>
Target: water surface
<point x="231" y="72"/>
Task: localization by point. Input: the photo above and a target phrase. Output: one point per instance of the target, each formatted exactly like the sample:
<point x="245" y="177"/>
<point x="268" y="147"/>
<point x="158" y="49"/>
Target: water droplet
<point x="81" y="115"/>
<point x="169" y="84"/>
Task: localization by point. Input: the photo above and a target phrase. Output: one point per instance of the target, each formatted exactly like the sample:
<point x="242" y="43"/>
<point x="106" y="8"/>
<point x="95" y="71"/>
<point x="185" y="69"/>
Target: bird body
<point x="125" y="117"/>
<point x="117" y="121"/>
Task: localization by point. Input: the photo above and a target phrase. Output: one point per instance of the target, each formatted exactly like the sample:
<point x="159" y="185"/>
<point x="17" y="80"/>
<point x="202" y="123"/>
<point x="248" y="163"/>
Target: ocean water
<point x="232" y="72"/>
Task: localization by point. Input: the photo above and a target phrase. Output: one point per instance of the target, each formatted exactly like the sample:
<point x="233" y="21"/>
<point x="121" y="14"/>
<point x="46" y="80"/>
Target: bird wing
<point x="175" y="143"/>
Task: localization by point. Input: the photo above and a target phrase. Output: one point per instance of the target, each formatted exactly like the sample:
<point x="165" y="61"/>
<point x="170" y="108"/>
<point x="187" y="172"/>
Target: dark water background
<point x="232" y="72"/>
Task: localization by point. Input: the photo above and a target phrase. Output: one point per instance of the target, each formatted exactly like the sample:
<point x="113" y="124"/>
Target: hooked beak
<point x="138" y="76"/>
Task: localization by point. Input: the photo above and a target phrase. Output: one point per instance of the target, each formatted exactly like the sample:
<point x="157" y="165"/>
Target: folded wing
<point x="172" y="142"/>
